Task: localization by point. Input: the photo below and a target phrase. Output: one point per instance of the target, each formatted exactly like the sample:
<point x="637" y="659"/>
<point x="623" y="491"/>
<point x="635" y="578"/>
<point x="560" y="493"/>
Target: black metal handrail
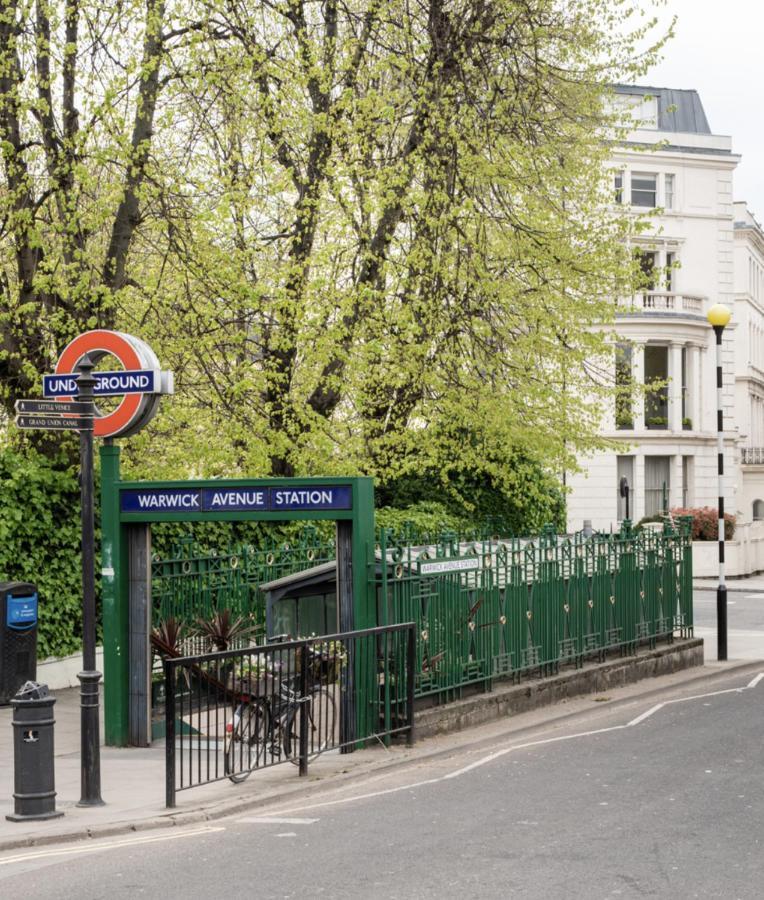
<point x="234" y="711"/>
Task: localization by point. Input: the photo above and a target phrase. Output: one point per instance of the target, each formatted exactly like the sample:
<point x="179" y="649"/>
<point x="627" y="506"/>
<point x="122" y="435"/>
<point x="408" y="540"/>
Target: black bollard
<point x="34" y="775"/>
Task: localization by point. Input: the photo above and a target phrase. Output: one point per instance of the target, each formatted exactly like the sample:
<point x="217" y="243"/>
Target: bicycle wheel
<point x="323" y="725"/>
<point x="246" y="744"/>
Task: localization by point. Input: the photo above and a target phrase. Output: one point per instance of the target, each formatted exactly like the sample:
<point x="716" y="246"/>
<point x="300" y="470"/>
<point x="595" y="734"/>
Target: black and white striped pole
<point x="718" y="317"/>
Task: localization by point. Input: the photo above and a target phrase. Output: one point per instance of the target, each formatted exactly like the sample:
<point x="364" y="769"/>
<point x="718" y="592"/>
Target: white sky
<point x="718" y="49"/>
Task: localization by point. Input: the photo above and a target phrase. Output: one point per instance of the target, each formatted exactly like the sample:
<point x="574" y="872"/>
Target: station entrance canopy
<point x="130" y="508"/>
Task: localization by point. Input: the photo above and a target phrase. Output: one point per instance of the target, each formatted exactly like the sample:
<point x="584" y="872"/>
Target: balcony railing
<point x="753" y="456"/>
<point x="665" y="301"/>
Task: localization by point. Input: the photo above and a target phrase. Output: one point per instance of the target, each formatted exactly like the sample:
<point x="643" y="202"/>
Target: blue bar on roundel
<point x="108" y="384"/>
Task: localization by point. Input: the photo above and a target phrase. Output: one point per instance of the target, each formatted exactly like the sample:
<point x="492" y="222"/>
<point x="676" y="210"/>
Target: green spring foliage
<point x="356" y="231"/>
<point x="40" y="541"/>
<point x="372" y="237"/>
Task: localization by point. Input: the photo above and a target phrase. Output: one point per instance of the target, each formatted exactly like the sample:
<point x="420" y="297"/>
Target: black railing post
<point x="302" y="713"/>
<point x="169" y="719"/>
<point x="410" y="658"/>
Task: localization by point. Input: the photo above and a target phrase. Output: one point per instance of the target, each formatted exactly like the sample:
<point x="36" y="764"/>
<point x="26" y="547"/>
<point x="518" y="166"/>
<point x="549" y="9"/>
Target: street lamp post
<point x="718" y="317"/>
<point x="90" y="775"/>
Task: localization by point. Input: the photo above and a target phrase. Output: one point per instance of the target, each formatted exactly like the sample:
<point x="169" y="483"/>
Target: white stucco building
<point x="701" y="249"/>
<point x="749" y="361"/>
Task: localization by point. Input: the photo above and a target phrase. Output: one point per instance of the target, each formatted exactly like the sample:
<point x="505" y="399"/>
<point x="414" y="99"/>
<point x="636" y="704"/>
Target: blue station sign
<point x="298" y="498"/>
<point x="108" y="384"/>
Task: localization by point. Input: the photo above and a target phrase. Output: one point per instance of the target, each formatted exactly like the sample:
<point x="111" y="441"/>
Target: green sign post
<point x="128" y="509"/>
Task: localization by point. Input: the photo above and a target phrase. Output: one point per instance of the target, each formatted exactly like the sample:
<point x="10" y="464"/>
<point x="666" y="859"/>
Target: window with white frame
<point x="670" y="266"/>
<point x="618" y="180"/>
<point x="688" y="469"/>
<point x="668" y="191"/>
<point x="643" y="189"/>
<point x="657" y="484"/>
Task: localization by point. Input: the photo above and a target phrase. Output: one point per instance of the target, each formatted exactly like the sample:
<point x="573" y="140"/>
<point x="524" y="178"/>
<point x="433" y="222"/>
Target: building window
<point x="686" y="420"/>
<point x="688" y="464"/>
<point x="625" y="469"/>
<point x="668" y="192"/>
<point x="643" y="189"/>
<point x="618" y="186"/>
<point x="656" y="379"/>
<point x="657" y="484"/>
<point x="670" y="266"/>
<point x="624" y="413"/>
<point x="648" y="264"/>
<point x="758" y="510"/>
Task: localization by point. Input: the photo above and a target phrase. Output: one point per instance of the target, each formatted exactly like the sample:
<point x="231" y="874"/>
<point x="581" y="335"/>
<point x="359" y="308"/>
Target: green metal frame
<point x="114" y="575"/>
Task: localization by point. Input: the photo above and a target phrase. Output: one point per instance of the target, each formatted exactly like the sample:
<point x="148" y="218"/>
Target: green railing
<point x="499" y="608"/>
<point x="485" y="608"/>
<point x="193" y="582"/>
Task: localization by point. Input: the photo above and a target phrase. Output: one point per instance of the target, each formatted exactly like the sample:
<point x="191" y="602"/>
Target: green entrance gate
<point x="130" y="508"/>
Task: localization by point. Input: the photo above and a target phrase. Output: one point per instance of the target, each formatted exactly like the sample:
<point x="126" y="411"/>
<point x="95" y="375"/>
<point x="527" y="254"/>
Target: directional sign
<point x="56" y="423"/>
<point x="51" y="407"/>
<point x="108" y="384"/>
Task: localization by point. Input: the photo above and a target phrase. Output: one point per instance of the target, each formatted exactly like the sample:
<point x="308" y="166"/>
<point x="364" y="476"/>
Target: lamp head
<point x="719" y="315"/>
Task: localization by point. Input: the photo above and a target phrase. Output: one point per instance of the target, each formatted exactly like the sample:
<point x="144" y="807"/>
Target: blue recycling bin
<point x="18" y="637"/>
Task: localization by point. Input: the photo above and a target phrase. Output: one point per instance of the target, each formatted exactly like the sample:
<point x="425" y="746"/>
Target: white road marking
<point x="506" y="750"/>
<point x="287" y="834"/>
<point x="268" y="820"/>
<point x="647" y="714"/>
<point x="95" y="847"/>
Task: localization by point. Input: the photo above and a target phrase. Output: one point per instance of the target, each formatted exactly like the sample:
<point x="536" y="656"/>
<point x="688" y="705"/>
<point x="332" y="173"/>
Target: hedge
<point x="40" y="542"/>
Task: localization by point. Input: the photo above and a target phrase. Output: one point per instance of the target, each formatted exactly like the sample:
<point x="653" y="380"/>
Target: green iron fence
<point x="499" y="608"/>
<point x="484" y="609"/>
<point x="194" y="582"/>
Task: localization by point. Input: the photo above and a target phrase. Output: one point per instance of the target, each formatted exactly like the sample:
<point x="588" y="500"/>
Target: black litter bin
<point x="18" y="637"/>
<point x="34" y="791"/>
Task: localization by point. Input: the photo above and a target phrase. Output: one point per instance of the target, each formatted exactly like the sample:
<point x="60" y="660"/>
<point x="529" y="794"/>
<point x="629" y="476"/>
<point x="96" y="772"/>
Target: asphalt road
<point x="745" y="624"/>
<point x="658" y="796"/>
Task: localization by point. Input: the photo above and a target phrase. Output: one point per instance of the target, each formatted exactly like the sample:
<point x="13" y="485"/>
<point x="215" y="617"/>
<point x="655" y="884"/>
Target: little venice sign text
<point x="273" y="499"/>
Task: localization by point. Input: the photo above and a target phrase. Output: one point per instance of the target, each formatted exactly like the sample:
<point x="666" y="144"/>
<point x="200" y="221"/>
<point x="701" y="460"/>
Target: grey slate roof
<point x="678" y="110"/>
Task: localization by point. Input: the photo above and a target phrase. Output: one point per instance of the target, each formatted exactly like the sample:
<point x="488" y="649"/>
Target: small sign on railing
<point x="441" y="566"/>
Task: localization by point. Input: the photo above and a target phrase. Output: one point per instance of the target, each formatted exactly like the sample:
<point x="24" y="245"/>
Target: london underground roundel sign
<point x="140" y="382"/>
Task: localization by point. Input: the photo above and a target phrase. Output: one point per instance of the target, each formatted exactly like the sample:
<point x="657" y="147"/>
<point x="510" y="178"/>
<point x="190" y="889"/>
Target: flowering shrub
<point x="705" y="522"/>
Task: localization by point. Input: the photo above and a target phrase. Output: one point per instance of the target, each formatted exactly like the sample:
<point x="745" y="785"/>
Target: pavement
<point x="133" y="779"/>
<point x="748" y="584"/>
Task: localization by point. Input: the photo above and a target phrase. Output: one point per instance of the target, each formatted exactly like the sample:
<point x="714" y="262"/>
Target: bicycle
<point x="265" y="728"/>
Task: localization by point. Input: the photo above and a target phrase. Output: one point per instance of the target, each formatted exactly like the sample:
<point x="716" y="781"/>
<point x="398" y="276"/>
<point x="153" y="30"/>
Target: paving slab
<point x="751" y="584"/>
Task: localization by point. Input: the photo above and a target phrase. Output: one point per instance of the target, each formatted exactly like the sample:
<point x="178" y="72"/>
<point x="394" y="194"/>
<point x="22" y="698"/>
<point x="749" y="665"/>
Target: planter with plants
<point x="251" y="676"/>
<point x="327" y="659"/>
